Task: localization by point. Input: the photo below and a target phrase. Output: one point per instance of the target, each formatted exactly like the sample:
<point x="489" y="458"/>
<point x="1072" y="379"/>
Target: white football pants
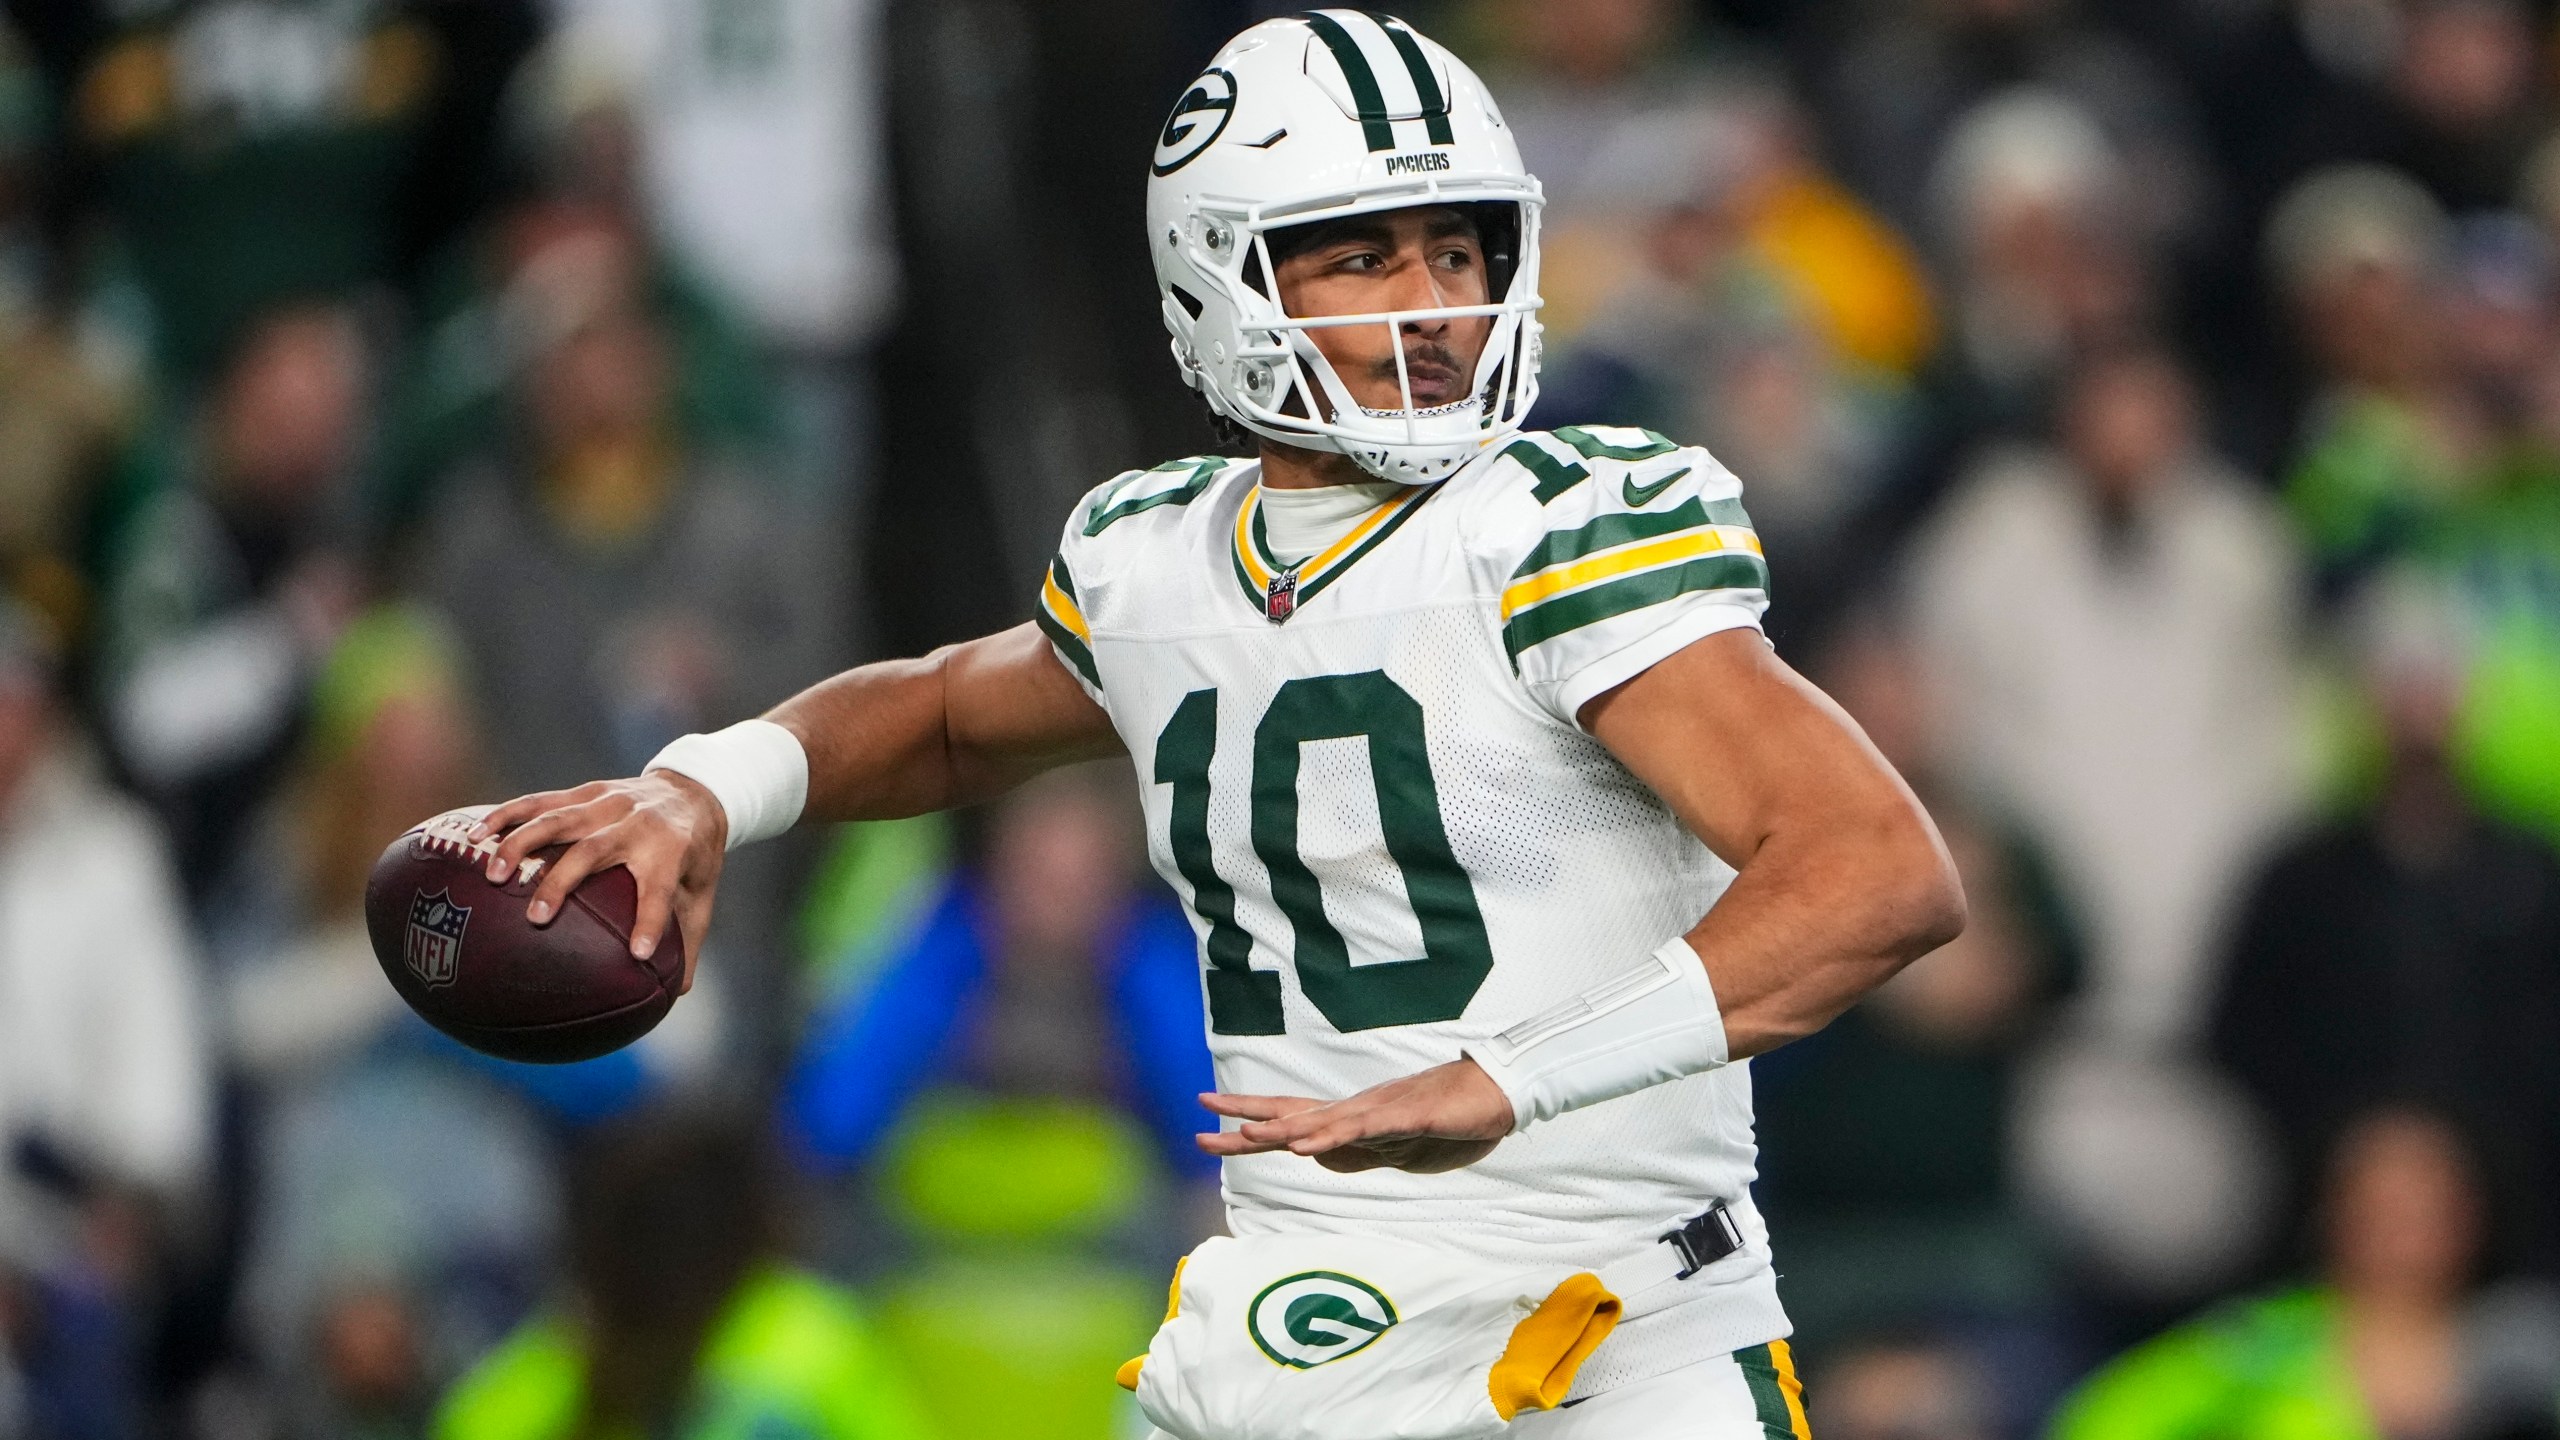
<point x="1748" y="1395"/>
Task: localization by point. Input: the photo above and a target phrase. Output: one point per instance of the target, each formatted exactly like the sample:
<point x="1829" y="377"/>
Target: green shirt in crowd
<point x="791" y="1357"/>
<point x="2276" y="1368"/>
<point x="2268" y="1369"/>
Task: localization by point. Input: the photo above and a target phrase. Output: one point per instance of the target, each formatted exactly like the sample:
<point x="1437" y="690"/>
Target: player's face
<point x="1399" y="260"/>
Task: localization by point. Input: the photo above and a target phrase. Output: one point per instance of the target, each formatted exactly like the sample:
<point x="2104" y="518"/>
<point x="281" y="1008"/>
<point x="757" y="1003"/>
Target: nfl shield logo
<point x="435" y="936"/>
<point x="1280" y="597"/>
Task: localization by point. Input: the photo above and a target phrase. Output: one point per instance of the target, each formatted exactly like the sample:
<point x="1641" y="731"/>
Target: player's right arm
<point x="963" y="724"/>
<point x="902" y="737"/>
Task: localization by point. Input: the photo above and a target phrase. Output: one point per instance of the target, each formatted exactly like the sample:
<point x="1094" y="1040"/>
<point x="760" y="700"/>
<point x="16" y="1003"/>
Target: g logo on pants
<point x="1318" y="1316"/>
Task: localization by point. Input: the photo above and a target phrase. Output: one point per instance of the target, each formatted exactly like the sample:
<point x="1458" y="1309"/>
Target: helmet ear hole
<point x="1188" y="301"/>
<point x="1498" y="231"/>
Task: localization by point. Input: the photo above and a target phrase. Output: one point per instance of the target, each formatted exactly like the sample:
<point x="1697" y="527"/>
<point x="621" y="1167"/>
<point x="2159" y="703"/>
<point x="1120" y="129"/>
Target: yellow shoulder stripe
<point x="1710" y="540"/>
<point x="1062" y="607"/>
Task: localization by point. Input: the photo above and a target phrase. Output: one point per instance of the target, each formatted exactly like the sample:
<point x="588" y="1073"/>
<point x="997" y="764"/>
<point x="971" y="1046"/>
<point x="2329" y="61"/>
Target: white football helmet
<point x="1313" y="118"/>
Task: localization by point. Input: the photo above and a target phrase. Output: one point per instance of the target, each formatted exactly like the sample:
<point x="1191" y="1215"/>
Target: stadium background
<point x="2152" y="411"/>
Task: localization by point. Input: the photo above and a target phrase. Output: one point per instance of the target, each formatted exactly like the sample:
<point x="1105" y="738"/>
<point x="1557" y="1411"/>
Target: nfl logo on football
<point x="435" y="936"/>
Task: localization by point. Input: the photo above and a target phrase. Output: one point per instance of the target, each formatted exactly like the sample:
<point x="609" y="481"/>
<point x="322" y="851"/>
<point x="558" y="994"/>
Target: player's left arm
<point x="1842" y="880"/>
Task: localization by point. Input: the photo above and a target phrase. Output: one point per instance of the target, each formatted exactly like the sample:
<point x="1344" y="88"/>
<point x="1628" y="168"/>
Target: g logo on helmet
<point x="1317" y="1317"/>
<point x="1198" y="119"/>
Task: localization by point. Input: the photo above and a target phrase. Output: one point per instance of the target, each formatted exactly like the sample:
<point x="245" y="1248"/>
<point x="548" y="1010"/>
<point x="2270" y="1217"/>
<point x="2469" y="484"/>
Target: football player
<point x="1506" y="836"/>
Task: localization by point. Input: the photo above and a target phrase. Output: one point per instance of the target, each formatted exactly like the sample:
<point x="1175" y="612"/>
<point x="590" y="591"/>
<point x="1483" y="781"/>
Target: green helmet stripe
<point x="1374" y="126"/>
<point x="1435" y="106"/>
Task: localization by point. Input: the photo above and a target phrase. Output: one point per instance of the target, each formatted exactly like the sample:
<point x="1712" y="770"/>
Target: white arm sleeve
<point x="1655" y="1023"/>
<point x="756" y="769"/>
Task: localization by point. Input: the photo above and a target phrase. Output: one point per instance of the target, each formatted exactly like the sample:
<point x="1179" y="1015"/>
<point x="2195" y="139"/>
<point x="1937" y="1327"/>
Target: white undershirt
<point x="1300" y="523"/>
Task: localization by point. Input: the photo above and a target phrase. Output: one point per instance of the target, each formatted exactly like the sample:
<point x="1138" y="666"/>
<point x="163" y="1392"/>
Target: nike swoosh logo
<point x="1639" y="496"/>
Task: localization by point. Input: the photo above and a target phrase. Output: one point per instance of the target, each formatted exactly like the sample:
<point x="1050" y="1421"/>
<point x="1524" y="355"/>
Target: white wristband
<point x="1657" y="1022"/>
<point x="756" y="769"/>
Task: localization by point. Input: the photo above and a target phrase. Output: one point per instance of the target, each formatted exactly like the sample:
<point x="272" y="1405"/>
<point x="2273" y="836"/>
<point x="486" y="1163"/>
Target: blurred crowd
<point x="2151" y="412"/>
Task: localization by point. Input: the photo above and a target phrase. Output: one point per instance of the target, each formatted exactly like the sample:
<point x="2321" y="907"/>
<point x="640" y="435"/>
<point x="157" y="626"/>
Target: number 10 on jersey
<point x="1455" y="957"/>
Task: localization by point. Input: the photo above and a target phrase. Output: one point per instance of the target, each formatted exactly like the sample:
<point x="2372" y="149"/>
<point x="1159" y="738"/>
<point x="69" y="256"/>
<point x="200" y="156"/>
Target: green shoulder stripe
<point x="1069" y="644"/>
<point x="1554" y="476"/>
<point x="1541" y="623"/>
<point x="1110" y="508"/>
<point x="1728" y="512"/>
<point x="1559" y="546"/>
<point x="1583" y="438"/>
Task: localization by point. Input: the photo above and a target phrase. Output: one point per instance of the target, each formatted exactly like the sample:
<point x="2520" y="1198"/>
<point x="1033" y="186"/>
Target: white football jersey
<point x="1364" y="778"/>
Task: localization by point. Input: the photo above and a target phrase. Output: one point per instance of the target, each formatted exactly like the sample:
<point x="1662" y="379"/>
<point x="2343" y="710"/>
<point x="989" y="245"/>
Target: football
<point x="459" y="949"/>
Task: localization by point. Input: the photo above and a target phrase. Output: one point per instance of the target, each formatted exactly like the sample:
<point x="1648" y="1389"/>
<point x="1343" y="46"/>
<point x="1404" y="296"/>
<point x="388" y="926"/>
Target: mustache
<point x="1428" y="355"/>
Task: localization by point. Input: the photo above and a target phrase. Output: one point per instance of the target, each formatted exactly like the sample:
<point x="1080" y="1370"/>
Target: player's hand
<point x="665" y="828"/>
<point x="1445" y="1118"/>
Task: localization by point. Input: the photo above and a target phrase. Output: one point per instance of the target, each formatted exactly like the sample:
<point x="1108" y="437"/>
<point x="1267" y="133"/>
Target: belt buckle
<point x="1703" y="1239"/>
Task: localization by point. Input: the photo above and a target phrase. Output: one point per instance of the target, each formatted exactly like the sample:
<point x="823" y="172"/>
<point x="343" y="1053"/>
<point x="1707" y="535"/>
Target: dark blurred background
<point x="2152" y="411"/>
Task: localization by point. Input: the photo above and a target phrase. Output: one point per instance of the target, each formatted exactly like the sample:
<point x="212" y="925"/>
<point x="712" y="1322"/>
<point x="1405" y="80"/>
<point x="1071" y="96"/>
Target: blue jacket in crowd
<point x="887" y="1042"/>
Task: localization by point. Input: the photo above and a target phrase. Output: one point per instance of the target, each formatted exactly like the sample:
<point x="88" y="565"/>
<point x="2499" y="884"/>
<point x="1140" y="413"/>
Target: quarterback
<point x="1506" y="837"/>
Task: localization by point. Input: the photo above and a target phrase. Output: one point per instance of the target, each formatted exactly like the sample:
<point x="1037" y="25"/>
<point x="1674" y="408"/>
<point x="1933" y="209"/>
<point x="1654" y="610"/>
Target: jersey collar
<point x="1278" y="590"/>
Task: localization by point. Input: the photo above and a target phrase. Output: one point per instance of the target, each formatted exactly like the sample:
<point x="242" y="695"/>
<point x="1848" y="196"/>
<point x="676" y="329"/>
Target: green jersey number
<point x="1455" y="957"/>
